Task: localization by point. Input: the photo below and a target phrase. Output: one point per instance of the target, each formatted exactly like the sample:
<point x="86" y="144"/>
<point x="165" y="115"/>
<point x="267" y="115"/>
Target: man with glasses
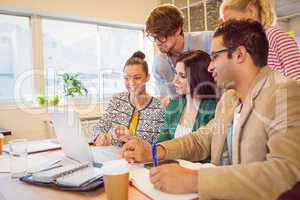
<point x="254" y="137"/>
<point x="164" y="27"/>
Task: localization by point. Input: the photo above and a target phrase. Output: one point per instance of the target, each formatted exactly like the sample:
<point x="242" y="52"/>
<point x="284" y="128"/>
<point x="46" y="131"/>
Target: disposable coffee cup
<point x="116" y="179"/>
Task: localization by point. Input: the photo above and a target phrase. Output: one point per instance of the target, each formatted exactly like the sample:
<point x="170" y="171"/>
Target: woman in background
<point x="197" y="102"/>
<point x="284" y="54"/>
<point x="135" y="111"/>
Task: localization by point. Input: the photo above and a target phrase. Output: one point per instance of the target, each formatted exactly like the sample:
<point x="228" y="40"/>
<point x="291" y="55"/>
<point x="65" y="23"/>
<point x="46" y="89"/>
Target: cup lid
<point x="115" y="167"/>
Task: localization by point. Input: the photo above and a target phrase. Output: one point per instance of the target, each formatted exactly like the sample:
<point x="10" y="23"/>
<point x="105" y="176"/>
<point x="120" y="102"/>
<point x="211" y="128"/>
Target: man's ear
<point x="240" y="54"/>
<point x="179" y="30"/>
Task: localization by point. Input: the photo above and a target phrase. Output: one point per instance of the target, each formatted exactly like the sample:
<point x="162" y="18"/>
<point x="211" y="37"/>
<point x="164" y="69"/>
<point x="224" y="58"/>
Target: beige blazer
<point x="266" y="143"/>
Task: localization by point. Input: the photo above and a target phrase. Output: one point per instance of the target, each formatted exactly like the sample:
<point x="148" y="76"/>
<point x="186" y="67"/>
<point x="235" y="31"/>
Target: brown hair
<point x="164" y="20"/>
<point x="137" y="59"/>
<point x="201" y="82"/>
<point x="247" y="33"/>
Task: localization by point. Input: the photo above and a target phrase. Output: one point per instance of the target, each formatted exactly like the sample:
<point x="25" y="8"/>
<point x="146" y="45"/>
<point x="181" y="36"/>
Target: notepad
<point x="139" y="178"/>
<point x="36" y="146"/>
<point x="74" y="175"/>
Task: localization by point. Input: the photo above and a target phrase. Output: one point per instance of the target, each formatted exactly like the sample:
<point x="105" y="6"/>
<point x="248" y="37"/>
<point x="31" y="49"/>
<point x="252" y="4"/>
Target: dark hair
<point x="247" y="33"/>
<point x="200" y="80"/>
<point x="137" y="59"/>
<point x="164" y="20"/>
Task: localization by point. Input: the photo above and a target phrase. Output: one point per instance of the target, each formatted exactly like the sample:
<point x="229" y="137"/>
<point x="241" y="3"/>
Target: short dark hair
<point x="164" y="20"/>
<point x="200" y="81"/>
<point x="137" y="59"/>
<point x="247" y="33"/>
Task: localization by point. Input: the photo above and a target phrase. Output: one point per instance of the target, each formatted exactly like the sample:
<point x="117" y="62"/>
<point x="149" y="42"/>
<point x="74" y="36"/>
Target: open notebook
<point x="139" y="178"/>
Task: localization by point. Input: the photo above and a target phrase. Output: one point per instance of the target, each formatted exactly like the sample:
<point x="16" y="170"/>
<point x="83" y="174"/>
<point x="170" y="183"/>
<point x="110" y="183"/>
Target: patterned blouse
<point x="119" y="112"/>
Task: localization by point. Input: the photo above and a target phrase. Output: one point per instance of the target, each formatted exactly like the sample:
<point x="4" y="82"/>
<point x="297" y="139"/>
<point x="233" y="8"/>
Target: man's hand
<point x="174" y="179"/>
<point x="103" y="140"/>
<point x="136" y="150"/>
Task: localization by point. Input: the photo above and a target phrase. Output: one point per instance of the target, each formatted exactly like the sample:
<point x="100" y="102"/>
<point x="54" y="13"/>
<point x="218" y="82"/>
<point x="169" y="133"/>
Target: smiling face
<point x="221" y="67"/>
<point x="135" y="78"/>
<point x="180" y="80"/>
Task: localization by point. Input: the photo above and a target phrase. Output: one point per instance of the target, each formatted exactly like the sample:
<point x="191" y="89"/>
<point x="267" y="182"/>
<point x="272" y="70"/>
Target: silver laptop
<point x="69" y="133"/>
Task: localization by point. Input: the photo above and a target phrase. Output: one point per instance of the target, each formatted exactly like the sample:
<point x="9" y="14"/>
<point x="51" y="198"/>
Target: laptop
<point x="70" y="135"/>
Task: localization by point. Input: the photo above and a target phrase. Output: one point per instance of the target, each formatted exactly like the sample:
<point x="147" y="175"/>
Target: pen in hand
<point x="154" y="155"/>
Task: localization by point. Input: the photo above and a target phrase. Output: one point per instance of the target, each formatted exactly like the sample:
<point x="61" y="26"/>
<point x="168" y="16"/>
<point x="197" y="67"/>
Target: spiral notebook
<point x="75" y="175"/>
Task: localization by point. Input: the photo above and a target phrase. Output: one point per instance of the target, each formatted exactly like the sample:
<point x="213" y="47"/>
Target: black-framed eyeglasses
<point x="154" y="38"/>
<point x="215" y="54"/>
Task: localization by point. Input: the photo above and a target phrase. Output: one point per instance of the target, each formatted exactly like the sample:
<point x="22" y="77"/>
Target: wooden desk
<point x="11" y="189"/>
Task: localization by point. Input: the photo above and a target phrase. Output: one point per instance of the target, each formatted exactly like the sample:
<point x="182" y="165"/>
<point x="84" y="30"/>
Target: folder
<point x="75" y="177"/>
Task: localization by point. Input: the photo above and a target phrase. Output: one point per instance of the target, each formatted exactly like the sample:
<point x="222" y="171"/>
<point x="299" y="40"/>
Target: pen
<point x="154" y="155"/>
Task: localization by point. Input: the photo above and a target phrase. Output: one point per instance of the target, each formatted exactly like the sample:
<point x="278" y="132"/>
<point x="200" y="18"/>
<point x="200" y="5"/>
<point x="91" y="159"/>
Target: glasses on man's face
<point x="154" y="38"/>
<point x="215" y="54"/>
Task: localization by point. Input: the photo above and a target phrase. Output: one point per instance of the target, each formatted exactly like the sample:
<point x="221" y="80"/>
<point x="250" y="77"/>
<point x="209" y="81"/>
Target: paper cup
<point x="116" y="179"/>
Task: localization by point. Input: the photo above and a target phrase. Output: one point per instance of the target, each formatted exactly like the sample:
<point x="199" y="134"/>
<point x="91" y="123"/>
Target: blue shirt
<point x="227" y="153"/>
<point x="164" y="70"/>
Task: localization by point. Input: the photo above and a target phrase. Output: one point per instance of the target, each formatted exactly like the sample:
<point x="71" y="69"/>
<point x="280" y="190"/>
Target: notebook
<point x="75" y="175"/>
<point x="140" y="179"/>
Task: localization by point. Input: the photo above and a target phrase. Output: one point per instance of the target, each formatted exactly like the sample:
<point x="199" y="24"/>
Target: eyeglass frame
<point x="161" y="39"/>
<point x="215" y="54"/>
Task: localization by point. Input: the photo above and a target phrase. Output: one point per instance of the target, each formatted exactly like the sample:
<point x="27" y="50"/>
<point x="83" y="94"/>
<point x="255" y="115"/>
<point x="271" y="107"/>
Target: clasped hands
<point x="120" y="133"/>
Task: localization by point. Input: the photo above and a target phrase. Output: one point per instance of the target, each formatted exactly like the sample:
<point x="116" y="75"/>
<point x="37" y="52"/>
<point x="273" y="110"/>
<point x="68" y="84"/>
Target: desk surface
<point x="12" y="189"/>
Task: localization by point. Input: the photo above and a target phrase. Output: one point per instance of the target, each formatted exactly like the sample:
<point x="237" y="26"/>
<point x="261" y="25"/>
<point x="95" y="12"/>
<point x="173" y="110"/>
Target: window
<point x="72" y="48"/>
<point x="16" y="58"/>
<point x="97" y="53"/>
<point x="199" y="15"/>
<point x="36" y="50"/>
<point x="116" y="46"/>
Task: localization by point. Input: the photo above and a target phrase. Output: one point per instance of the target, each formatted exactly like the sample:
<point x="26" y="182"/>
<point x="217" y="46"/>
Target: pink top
<point x="284" y="54"/>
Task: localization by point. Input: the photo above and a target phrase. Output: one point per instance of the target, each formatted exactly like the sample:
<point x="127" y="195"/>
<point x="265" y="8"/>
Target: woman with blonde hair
<point x="284" y="54"/>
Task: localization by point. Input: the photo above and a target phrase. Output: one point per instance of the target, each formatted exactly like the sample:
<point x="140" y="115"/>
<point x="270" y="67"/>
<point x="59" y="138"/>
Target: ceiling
<point x="286" y="8"/>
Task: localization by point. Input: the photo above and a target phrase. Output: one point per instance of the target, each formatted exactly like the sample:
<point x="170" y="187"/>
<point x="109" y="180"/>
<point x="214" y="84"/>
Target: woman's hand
<point x="103" y="139"/>
<point x="121" y="133"/>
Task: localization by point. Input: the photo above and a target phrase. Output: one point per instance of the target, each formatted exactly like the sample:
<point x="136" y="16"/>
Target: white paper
<point x="141" y="180"/>
<point x="106" y="153"/>
<point x="38" y="145"/>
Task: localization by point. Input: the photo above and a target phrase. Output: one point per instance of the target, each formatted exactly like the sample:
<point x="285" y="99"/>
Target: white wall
<point x="131" y="11"/>
<point x="294" y="24"/>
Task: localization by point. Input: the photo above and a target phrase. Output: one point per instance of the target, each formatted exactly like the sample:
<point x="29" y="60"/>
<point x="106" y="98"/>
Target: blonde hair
<point x="265" y="10"/>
